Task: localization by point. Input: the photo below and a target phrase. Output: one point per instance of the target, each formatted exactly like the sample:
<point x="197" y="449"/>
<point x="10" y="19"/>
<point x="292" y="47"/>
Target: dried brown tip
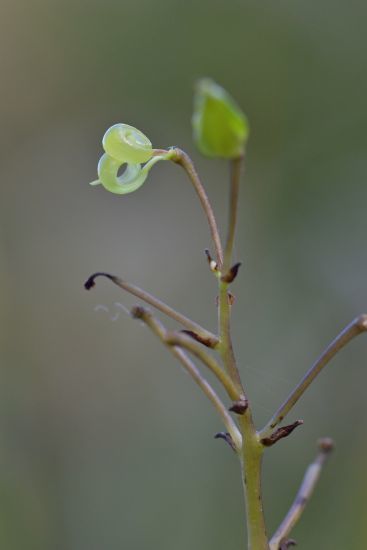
<point x="326" y="445"/>
<point x="208" y="342"/>
<point x="138" y="312"/>
<point x="284" y="431"/>
<point x="227" y="438"/>
<point x="362" y="322"/>
<point x="231" y="298"/>
<point x="208" y="255"/>
<point x="212" y="263"/>
<point x="230" y="276"/>
<point x="287" y="544"/>
<point x="91" y="281"/>
<point x="240" y="406"/>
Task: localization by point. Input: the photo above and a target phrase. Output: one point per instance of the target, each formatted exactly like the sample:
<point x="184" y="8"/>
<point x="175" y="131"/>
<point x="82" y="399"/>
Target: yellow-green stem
<point x="251" y="463"/>
<point x="251" y="451"/>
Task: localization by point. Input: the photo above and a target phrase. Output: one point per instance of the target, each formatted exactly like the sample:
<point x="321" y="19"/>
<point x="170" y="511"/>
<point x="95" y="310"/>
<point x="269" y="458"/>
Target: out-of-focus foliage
<point x="104" y="442"/>
<point x="220" y="127"/>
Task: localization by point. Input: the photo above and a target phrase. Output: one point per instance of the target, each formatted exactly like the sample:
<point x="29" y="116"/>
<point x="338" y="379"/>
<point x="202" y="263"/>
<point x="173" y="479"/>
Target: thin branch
<point x="183" y="341"/>
<point x="160" y="331"/>
<point x="356" y="327"/>
<point x="236" y="165"/>
<point x="184" y="160"/>
<point x="304" y="494"/>
<point x="210" y="339"/>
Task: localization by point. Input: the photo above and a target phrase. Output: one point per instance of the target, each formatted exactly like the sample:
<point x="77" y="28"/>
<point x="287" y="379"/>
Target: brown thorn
<point x="208" y="342"/>
<point x="284" y="431"/>
<point x="287" y="543"/>
<point x="230" y="276"/>
<point x="240" y="406"/>
<point x="227" y="438"/>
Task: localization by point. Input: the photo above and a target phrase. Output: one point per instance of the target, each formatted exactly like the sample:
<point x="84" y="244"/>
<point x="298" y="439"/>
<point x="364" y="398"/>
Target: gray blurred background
<point x="104" y="441"/>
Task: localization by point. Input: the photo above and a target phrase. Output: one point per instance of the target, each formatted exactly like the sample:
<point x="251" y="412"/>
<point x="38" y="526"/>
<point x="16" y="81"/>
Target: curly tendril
<point x="125" y="145"/>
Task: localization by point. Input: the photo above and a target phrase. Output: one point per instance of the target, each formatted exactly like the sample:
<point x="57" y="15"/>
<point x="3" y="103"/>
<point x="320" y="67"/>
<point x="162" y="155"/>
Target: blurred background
<point x="104" y="441"/>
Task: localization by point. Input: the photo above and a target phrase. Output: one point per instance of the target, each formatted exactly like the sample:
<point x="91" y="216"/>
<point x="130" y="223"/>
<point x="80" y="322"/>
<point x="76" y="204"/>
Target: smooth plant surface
<point x="220" y="131"/>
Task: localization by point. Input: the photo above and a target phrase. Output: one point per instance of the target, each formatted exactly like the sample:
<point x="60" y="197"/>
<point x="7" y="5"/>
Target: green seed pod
<point x="127" y="144"/>
<point x="220" y="127"/>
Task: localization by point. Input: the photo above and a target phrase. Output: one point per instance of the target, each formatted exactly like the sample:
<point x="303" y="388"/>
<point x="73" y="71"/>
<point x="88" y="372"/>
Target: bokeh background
<point x="104" y="441"/>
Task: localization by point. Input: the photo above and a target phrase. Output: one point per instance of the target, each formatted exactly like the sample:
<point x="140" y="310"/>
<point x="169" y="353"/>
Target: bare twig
<point x="304" y="494"/>
<point x="159" y="330"/>
<point x="356" y="327"/>
<point x="210" y="339"/>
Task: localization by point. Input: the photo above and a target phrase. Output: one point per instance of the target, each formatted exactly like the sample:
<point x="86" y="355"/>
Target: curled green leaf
<point x="220" y="127"/>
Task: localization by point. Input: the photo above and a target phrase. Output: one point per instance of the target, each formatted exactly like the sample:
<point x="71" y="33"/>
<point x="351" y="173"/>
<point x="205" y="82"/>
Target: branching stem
<point x="356" y="327"/>
<point x="304" y="494"/>
<point x="179" y="339"/>
<point x="210" y="338"/>
<point x="159" y="330"/>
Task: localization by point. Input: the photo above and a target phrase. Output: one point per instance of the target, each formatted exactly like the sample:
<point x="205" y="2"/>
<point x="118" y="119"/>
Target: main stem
<point x="251" y="467"/>
<point x="252" y="449"/>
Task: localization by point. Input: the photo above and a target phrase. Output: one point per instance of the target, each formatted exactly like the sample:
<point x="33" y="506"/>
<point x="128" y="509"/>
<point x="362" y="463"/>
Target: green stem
<point x="251" y="463"/>
<point x="225" y="346"/>
<point x="236" y="165"/>
<point x="252" y="449"/>
<point x="183" y="341"/>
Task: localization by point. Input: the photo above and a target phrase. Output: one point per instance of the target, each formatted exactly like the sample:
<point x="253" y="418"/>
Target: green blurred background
<point x="104" y="441"/>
